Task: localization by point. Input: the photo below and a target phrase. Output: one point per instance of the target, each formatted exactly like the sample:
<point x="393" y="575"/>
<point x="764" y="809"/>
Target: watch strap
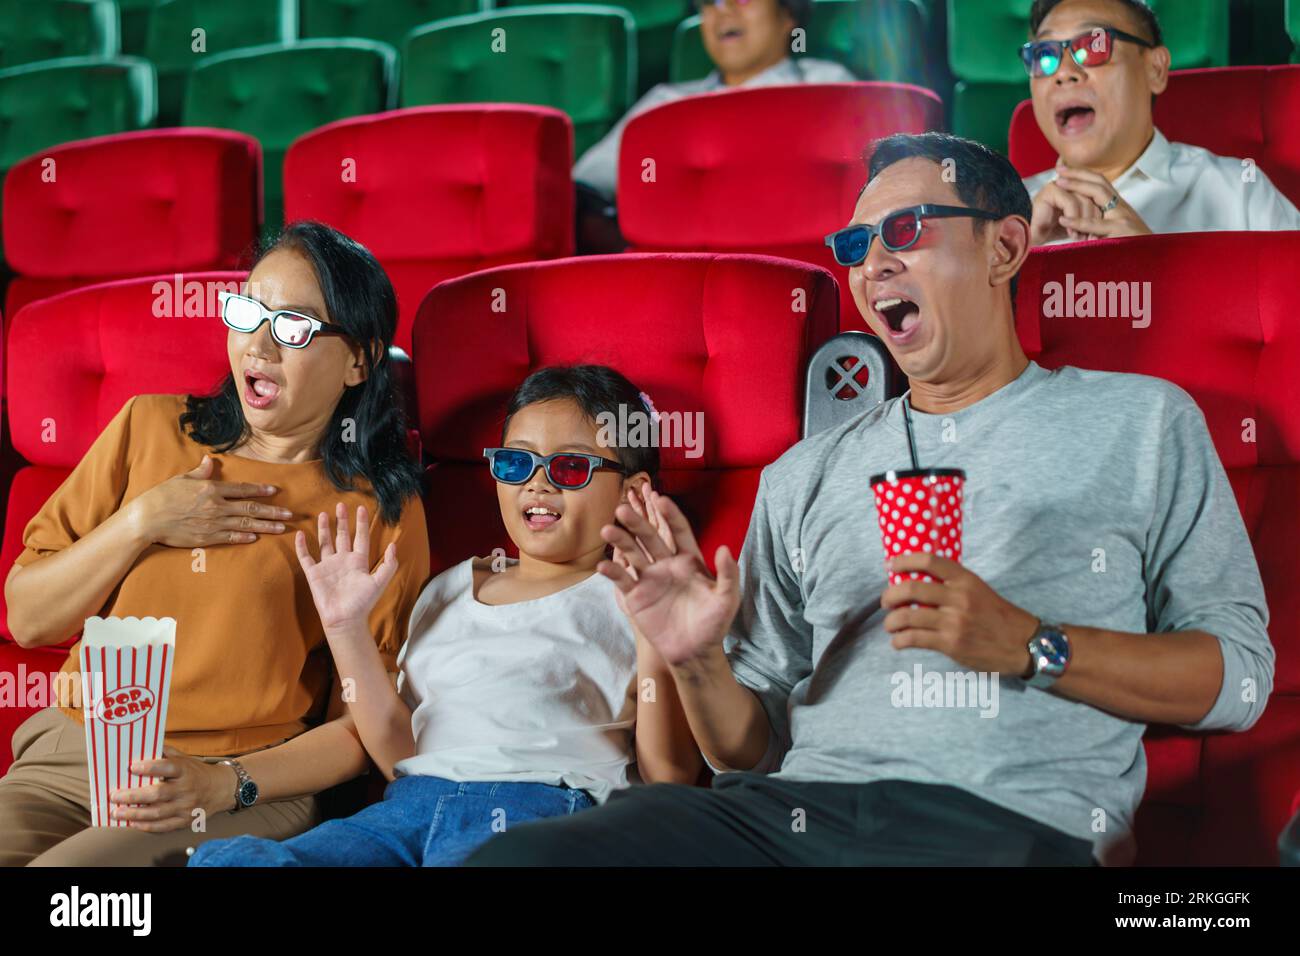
<point x="241" y="778"/>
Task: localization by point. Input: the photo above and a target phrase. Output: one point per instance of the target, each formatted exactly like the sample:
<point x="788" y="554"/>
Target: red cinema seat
<point x="439" y="191"/>
<point x="700" y="333"/>
<point x="1243" y="111"/>
<point x="132" y="204"/>
<point x="74" y="359"/>
<point x="770" y="170"/>
<point x="1227" y="336"/>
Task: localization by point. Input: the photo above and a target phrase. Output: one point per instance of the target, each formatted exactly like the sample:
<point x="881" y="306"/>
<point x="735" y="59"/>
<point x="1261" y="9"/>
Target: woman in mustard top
<point x="186" y="507"/>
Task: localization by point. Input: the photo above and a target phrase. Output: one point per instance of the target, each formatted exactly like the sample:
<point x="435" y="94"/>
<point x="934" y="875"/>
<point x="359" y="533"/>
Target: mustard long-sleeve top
<point x="252" y="666"/>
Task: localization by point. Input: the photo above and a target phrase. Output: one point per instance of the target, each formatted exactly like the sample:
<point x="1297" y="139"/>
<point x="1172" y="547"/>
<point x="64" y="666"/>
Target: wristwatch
<point x="1049" y="651"/>
<point x="245" y="788"/>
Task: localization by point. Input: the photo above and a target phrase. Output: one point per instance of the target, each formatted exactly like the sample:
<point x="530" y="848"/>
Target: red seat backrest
<point x="770" y="170"/>
<point x="439" y="191"/>
<point x="131" y="204"/>
<point x="1226" y="334"/>
<point x="75" y="358"/>
<point x="1243" y="111"/>
<point x="73" y="361"/>
<point x="724" y="335"/>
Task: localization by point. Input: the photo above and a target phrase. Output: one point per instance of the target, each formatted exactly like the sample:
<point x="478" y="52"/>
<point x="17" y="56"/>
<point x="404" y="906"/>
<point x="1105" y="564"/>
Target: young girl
<point x="522" y="681"/>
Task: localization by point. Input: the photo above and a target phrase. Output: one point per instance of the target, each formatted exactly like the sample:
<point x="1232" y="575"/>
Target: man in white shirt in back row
<point x="1093" y="84"/>
<point x="749" y="42"/>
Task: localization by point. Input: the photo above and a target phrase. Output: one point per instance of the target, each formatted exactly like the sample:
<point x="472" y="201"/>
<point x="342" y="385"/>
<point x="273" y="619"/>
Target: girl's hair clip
<point x="649" y="406"/>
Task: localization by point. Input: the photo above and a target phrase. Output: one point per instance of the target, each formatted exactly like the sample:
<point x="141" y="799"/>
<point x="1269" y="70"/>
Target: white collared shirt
<point x="598" y="166"/>
<point x="1176" y="187"/>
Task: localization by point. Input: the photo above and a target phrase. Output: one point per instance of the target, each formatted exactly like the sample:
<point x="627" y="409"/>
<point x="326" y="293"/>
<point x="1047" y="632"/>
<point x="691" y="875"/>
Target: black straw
<point x="911" y="439"/>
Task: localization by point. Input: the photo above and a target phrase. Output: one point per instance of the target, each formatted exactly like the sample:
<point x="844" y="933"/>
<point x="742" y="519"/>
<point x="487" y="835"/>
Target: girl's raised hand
<point x="342" y="584"/>
<point x="671" y="598"/>
<point x="642" y="503"/>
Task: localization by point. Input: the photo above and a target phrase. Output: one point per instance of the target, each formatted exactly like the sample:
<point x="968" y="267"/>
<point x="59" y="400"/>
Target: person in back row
<point x="749" y="44"/>
<point x="1096" y="67"/>
<point x="848" y="712"/>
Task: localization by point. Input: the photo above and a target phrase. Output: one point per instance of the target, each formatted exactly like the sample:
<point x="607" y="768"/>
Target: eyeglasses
<point x="566" y="469"/>
<point x="703" y="5"/>
<point x="291" y="329"/>
<point x="1094" y="48"/>
<point x="898" y="231"/>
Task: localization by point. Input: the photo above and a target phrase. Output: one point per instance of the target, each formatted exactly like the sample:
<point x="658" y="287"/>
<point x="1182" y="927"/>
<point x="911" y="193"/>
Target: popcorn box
<point x="126" y="672"/>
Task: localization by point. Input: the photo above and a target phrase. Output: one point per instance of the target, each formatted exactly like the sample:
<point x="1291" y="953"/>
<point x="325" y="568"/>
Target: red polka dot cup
<point x="919" y="510"/>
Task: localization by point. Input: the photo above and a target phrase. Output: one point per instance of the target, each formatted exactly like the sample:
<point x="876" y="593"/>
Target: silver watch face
<point x="1051" y="650"/>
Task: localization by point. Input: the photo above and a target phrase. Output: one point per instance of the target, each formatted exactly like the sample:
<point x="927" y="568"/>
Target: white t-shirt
<point x="1175" y="187"/>
<point x="538" y="691"/>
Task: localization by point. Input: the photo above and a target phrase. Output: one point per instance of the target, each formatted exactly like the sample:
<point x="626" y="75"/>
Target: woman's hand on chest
<point x="191" y="510"/>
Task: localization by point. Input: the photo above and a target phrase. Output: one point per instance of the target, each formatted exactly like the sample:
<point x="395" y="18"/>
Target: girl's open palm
<point x="674" y="601"/>
<point x="342" y="584"/>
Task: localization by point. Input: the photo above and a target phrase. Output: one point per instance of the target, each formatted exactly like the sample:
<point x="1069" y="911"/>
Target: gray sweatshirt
<point x="1092" y="498"/>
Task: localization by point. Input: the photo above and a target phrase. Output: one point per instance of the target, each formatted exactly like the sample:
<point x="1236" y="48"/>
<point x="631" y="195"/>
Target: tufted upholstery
<point x="1228" y="336"/>
<point x="710" y="333"/>
<point x="389" y="21"/>
<point x="181" y="199"/>
<point x="1242" y="111"/>
<point x="55" y="101"/>
<point x="74" y="359"/>
<point x="170" y="43"/>
<point x="655" y="21"/>
<point x="276" y="93"/>
<point x="769" y="170"/>
<point x="573" y="57"/>
<point x="56" y="28"/>
<point x="439" y="190"/>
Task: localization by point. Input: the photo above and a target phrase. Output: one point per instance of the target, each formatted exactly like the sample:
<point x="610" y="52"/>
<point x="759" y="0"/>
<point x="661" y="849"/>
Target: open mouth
<point x="1075" y="119"/>
<point x="539" y="517"/>
<point x="259" y="390"/>
<point x="731" y="33"/>
<point x="902" y="316"/>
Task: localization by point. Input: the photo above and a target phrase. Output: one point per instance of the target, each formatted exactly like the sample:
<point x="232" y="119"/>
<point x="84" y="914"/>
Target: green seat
<point x="576" y="58"/>
<point x="42" y="104"/>
<point x="133" y="24"/>
<point x="386" y="20"/>
<point x="32" y="30"/>
<point x="655" y="22"/>
<point x="175" y="44"/>
<point x="984" y="40"/>
<point x="982" y="110"/>
<point x="1293" y="27"/>
<point x="874" y="39"/>
<point x="278" y="92"/>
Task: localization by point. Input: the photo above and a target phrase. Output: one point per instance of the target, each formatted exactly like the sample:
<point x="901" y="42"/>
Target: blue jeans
<point x="422" y="821"/>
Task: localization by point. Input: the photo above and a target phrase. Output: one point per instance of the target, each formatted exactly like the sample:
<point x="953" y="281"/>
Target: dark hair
<point x="984" y="179"/>
<point x="359" y="297"/>
<point x="800" y="10"/>
<point x="596" y="389"/>
<point x="1144" y="14"/>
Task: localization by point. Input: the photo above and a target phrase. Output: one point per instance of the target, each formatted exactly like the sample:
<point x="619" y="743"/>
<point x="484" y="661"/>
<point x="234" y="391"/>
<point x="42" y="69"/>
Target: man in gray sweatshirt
<point x="995" y="715"/>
